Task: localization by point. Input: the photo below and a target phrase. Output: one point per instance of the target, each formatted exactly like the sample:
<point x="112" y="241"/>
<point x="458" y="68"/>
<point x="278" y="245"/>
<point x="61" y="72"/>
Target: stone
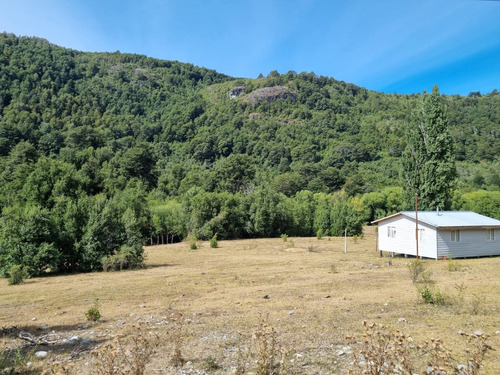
<point x="41" y="354"/>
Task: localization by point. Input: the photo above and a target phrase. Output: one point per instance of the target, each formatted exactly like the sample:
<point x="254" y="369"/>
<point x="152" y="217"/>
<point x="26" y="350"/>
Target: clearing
<point x="208" y="303"/>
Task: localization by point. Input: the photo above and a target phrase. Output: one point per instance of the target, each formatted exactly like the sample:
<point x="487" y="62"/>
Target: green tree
<point x="428" y="160"/>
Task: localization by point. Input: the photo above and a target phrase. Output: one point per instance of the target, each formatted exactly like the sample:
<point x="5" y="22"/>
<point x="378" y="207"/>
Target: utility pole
<point x="416" y="222"/>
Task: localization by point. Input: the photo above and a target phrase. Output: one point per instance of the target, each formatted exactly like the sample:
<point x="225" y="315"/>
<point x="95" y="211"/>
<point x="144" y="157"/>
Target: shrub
<point x="416" y="268"/>
<point x="213" y="242"/>
<point x="432" y="297"/>
<point x="284" y="237"/>
<point x="93" y="314"/>
<point x="193" y="245"/>
<point x="129" y="257"/>
<point x="17" y="274"/>
<point x="319" y="234"/>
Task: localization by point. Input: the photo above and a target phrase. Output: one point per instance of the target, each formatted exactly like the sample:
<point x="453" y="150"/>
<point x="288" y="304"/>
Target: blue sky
<point x="402" y="46"/>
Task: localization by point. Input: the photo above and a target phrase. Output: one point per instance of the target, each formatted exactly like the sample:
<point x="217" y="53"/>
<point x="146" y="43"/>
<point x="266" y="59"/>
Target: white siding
<point x="473" y="243"/>
<point x="404" y="241"/>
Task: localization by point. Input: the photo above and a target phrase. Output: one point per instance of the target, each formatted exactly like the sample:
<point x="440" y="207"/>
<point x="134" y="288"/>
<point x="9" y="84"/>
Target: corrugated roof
<point x="452" y="219"/>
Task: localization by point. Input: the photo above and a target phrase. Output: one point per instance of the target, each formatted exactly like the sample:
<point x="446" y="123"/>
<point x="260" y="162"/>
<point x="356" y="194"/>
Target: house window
<point x="391" y="232"/>
<point x="490" y="234"/>
<point x="455" y="236"/>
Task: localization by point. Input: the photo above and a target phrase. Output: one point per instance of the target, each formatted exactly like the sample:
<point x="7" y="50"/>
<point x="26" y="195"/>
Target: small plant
<point x="334" y="268"/>
<point x="17" y="274"/>
<point x="213" y="242"/>
<point x="416" y="269"/>
<point x="177" y="338"/>
<point x="120" y="357"/>
<point x="210" y="365"/>
<point x="476" y="304"/>
<point x="453" y="265"/>
<point x="319" y="234"/>
<point x="284" y="237"/>
<point x="384" y="351"/>
<point x="193" y="245"/>
<point x="432" y="297"/>
<point x="312" y="249"/>
<point x="461" y="293"/>
<point x="93" y="314"/>
<point x="268" y="348"/>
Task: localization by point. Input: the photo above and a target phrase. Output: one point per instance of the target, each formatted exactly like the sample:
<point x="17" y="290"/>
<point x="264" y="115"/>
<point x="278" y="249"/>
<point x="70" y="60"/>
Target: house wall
<point x="404" y="240"/>
<point x="473" y="243"/>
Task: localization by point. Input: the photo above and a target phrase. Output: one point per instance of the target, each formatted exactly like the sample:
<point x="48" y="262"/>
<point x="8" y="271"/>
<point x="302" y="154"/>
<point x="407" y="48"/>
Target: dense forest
<point x="101" y="153"/>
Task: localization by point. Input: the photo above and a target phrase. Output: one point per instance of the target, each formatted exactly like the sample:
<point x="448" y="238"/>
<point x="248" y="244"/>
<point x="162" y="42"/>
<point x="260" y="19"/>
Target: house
<point x="441" y="234"/>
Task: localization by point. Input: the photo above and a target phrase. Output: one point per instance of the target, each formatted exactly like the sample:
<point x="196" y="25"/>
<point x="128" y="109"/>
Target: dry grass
<point x="312" y="299"/>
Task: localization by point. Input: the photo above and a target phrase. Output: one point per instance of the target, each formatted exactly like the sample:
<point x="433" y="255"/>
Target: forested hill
<point x="104" y="150"/>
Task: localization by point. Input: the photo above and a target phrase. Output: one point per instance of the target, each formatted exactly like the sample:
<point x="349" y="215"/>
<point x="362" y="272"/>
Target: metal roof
<point x="449" y="219"/>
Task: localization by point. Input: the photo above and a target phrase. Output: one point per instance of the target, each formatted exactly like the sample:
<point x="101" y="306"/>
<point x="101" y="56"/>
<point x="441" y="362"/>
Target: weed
<point x="16" y="361"/>
<point x="476" y="304"/>
<point x="461" y="293"/>
<point x="384" y="351"/>
<point x="193" y="245"/>
<point x="267" y="348"/>
<point x="416" y="268"/>
<point x="319" y="234"/>
<point x="210" y="364"/>
<point x="284" y="237"/>
<point x="312" y="249"/>
<point x="453" y="265"/>
<point x="94" y="314"/>
<point x="17" y="274"/>
<point x="177" y="339"/>
<point x="334" y="268"/>
<point x="243" y="355"/>
<point x="118" y="357"/>
<point x="432" y="297"/>
<point x="476" y="352"/>
<point x="213" y="242"/>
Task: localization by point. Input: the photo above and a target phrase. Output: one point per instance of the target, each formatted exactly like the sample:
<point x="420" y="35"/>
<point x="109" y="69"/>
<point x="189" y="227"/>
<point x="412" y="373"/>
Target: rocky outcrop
<point x="237" y="91"/>
<point x="271" y="94"/>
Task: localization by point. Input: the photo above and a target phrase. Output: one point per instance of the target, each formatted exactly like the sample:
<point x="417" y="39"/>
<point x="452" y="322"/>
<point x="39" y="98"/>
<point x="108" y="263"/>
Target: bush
<point x="418" y="272"/>
<point x="193" y="246"/>
<point x="213" y="242"/>
<point x="284" y="237"/>
<point x="129" y="257"/>
<point x="17" y="274"/>
<point x="319" y="234"/>
<point x="432" y="297"/>
<point x="94" y="314"/>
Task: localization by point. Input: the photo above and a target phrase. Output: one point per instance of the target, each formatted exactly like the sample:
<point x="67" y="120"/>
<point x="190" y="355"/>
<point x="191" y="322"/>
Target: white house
<point x="450" y="234"/>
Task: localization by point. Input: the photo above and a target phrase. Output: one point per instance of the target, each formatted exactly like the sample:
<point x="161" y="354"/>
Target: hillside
<point x="104" y="150"/>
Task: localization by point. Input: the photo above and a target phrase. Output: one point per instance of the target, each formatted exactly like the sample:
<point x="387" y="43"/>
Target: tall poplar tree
<point x="428" y="160"/>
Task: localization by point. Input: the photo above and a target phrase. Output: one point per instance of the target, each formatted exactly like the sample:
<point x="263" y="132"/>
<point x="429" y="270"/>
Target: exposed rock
<point x="41" y="354"/>
<point x="271" y="94"/>
<point x="237" y="91"/>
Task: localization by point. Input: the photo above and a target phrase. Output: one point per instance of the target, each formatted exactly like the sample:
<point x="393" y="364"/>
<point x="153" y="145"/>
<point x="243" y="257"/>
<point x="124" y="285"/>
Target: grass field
<point x="218" y="307"/>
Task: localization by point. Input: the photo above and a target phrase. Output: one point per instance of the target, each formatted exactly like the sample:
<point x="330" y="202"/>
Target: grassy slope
<point x="221" y="292"/>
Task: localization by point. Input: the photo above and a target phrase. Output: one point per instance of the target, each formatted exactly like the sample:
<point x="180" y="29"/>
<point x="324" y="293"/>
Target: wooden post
<point x="416" y="222"/>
